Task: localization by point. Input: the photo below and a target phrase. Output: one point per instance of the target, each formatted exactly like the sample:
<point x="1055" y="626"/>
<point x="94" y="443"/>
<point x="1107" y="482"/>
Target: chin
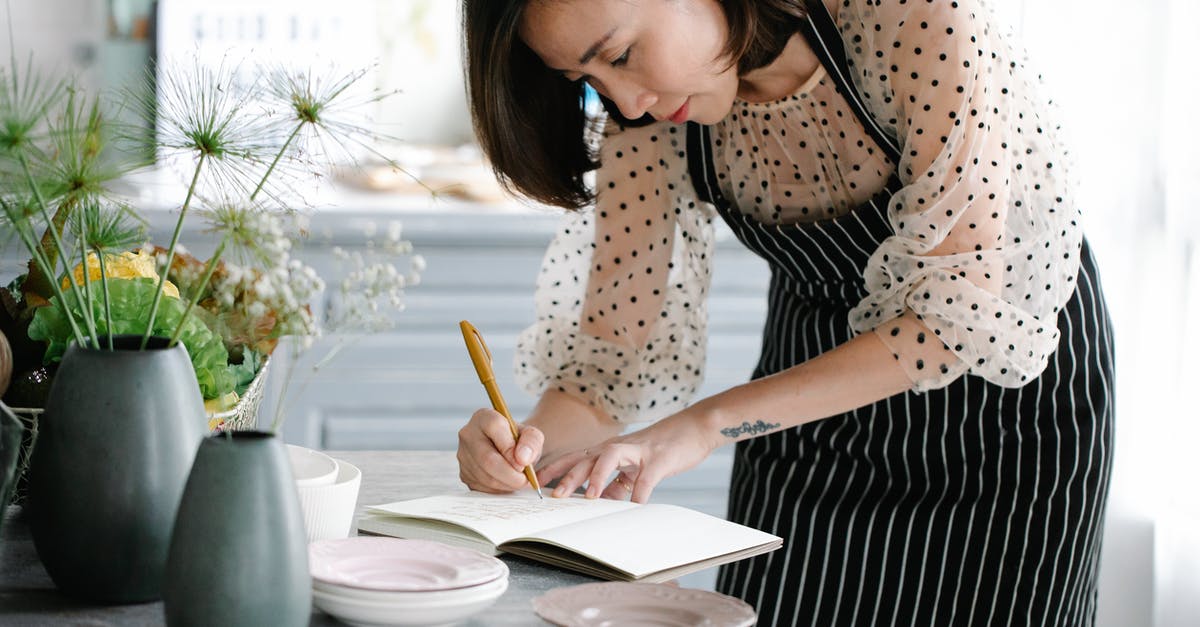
<point x="712" y="114"/>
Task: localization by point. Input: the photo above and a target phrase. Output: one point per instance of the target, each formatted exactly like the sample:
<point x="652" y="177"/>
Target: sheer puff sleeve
<point x="620" y="299"/>
<point x="986" y="244"/>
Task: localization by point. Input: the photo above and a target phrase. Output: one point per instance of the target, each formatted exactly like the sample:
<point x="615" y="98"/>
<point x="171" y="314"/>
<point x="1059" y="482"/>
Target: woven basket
<point x="244" y="415"/>
<point x="241" y="417"/>
<point x="29" y="420"/>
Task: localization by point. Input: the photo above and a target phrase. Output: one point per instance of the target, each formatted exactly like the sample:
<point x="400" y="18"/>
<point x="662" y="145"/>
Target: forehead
<point x="560" y="31"/>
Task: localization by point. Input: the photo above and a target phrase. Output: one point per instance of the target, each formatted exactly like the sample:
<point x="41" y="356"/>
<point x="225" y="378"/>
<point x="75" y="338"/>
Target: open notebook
<point x="616" y="540"/>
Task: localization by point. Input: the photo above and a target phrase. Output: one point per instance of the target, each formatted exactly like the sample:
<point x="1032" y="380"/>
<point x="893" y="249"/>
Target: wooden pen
<point x="481" y="357"/>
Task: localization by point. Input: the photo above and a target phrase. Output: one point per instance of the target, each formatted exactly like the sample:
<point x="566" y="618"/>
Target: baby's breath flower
<point x="257" y="309"/>
<point x="372" y="289"/>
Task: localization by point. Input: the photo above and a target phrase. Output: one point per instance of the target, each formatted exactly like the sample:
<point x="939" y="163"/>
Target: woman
<point x="929" y="424"/>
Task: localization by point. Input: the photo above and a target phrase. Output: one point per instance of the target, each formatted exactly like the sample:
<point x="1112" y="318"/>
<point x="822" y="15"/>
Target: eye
<point x="621" y="60"/>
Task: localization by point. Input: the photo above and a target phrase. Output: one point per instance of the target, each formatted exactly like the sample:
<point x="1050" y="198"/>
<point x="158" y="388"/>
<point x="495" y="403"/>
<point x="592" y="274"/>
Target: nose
<point x="631" y="99"/>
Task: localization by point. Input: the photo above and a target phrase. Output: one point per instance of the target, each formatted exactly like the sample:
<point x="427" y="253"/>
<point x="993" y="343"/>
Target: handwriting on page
<point x="505" y="510"/>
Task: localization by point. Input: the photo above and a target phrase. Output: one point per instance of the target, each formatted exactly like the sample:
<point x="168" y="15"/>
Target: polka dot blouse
<point x="986" y="235"/>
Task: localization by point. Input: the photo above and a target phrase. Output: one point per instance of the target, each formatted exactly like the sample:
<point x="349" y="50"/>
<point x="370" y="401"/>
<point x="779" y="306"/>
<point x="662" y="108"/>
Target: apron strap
<point x="823" y="36"/>
<point x="821" y="32"/>
<point x="700" y="165"/>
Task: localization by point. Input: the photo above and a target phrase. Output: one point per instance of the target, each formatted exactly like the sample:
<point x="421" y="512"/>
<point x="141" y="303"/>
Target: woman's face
<point x="662" y="57"/>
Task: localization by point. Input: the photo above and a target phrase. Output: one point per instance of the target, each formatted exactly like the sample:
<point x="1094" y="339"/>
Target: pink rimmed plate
<point x="619" y="603"/>
<point x="396" y="565"/>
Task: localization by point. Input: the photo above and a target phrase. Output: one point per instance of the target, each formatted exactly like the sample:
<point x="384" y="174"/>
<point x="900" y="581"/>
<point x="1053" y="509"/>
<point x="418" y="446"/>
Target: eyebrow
<point x="595" y="49"/>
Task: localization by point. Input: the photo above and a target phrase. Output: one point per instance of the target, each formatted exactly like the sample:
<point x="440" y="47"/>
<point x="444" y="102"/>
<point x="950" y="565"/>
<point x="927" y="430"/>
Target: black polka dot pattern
<point x="986" y="234"/>
<point x="620" y="297"/>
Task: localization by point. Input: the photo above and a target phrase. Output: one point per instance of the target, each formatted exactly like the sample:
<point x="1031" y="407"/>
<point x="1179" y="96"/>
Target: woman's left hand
<point x="641" y="460"/>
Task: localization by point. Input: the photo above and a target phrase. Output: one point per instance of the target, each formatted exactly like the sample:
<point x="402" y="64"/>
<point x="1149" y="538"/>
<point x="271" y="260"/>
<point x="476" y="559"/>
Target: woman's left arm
<point x="856" y="373"/>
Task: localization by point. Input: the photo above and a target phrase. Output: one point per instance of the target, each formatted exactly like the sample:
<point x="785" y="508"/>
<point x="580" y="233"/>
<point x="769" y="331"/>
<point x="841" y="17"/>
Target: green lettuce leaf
<point x="244" y="372"/>
<point x="130" y="302"/>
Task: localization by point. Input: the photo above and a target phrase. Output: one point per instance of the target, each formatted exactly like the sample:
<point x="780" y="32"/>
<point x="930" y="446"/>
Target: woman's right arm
<point x="489" y="460"/>
<point x="620" y="327"/>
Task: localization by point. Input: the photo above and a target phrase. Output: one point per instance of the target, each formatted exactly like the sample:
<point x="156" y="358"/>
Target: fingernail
<point x="560" y="491"/>
<point x="524" y="454"/>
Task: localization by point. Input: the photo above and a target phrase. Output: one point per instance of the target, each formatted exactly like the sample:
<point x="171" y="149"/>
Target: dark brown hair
<point x="530" y="120"/>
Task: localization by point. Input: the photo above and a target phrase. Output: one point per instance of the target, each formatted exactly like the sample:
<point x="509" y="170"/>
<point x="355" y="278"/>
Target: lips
<point x="680" y="116"/>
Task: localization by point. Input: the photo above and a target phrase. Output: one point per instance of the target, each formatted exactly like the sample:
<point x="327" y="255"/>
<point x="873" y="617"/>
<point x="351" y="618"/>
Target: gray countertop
<point x="28" y="597"/>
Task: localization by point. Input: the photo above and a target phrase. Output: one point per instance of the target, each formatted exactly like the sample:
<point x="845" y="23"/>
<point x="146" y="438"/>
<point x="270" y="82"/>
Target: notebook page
<point x="500" y="517"/>
<point x="655" y="537"/>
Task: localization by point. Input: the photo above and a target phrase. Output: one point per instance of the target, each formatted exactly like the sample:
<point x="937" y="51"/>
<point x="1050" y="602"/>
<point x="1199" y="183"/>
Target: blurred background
<point x="1123" y="73"/>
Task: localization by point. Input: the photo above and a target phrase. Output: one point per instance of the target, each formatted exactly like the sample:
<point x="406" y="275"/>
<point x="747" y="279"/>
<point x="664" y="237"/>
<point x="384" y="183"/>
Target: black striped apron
<point x="968" y="505"/>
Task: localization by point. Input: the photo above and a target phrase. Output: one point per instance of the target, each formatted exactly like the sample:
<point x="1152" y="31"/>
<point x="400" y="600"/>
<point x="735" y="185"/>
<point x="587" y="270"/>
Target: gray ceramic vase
<point x="114" y="449"/>
<point x="239" y="554"/>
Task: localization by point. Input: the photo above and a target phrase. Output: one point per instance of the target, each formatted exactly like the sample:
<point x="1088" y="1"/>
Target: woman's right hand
<point x="489" y="459"/>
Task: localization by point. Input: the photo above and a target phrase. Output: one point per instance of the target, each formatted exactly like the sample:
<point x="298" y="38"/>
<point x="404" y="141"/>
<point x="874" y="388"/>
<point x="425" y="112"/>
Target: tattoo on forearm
<point x="747" y="428"/>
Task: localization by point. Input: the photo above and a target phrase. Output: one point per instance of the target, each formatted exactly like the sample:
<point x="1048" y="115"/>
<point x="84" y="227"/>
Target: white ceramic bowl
<point x="329" y="509"/>
<point x="311" y="468"/>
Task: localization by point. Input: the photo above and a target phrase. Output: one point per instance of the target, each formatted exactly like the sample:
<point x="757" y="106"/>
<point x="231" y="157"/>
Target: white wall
<point x="66" y="34"/>
<point x="418" y="42"/>
<point x="1085" y="55"/>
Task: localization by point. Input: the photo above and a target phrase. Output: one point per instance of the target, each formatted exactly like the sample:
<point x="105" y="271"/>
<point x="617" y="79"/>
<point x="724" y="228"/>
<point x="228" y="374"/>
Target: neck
<point x="783" y="76"/>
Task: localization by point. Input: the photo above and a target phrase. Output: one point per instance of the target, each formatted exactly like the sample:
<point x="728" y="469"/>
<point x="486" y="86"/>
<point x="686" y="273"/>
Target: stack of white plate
<point x="368" y="580"/>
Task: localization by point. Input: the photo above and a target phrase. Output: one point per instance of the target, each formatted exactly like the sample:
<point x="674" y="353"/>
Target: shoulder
<point x="884" y="14"/>
<point x="641" y="143"/>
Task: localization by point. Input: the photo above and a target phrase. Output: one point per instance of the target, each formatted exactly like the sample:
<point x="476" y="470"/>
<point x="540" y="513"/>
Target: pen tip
<point x="539" y="492"/>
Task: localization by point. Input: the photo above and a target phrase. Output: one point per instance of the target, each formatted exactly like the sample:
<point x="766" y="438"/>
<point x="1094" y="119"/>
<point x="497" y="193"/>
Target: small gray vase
<point x="114" y="449"/>
<point x="239" y="554"/>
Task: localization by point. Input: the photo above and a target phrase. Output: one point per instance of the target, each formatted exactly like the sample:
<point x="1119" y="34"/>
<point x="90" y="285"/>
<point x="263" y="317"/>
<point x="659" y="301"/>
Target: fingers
<point x="643" y="486"/>
<point x="486" y="453"/>
<point x="529" y="446"/>
<point x="555" y="468"/>
<point x="634" y="479"/>
<point x="606" y="464"/>
<point x="620" y="488"/>
<point x="575" y="476"/>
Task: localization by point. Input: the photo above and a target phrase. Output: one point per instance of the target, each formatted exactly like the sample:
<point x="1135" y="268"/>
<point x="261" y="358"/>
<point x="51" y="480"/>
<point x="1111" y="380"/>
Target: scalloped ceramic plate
<point x="393" y="564"/>
<point x="620" y="603"/>
<point x="419" y="608"/>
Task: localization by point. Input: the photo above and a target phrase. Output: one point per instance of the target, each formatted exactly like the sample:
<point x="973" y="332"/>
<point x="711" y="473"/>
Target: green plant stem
<point x="89" y="315"/>
<point x="277" y="421"/>
<point x="33" y="247"/>
<point x="199" y="289"/>
<point x="297" y="352"/>
<point x="107" y="303"/>
<point x="162" y="279"/>
<point x="38" y="281"/>
<point x="39" y="257"/>
<point x="275" y="161"/>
